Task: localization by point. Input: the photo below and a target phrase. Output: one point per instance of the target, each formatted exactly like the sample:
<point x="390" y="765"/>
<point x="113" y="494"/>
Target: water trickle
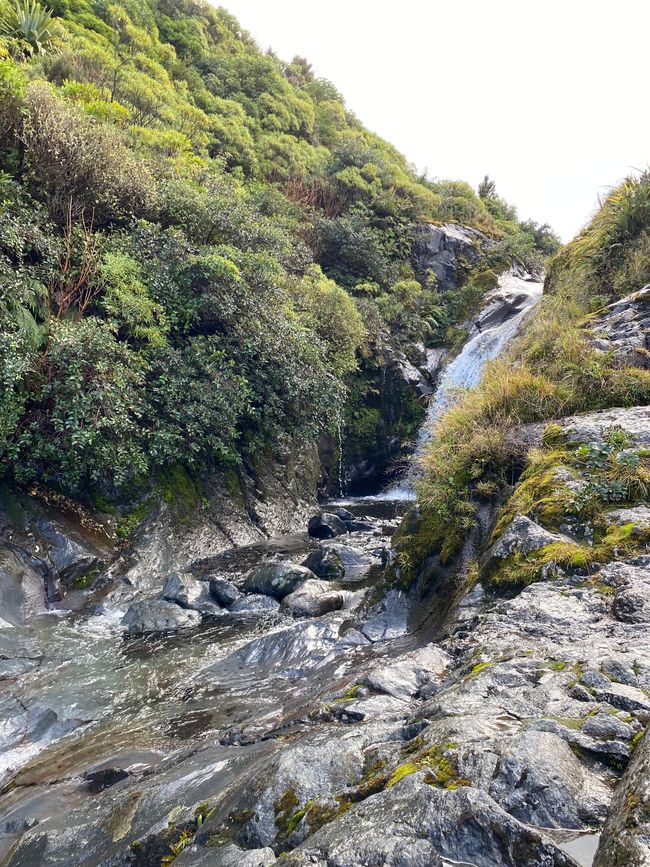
<point x="339" y="431"/>
<point x="496" y="326"/>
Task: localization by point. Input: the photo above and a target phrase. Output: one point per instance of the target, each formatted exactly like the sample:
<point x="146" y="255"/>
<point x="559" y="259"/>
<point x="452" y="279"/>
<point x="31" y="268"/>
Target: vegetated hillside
<point x="198" y="243"/>
<point x="584" y="351"/>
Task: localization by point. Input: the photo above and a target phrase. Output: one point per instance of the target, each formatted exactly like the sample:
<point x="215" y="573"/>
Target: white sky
<point x="549" y="98"/>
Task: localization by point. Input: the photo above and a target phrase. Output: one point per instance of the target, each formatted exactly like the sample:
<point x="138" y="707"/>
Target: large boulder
<point x="224" y="591"/>
<point x="254" y="603"/>
<point x="156" y="615"/>
<point x="414" y="824"/>
<point x="326" y="526"/>
<point x="189" y="593"/>
<point x="334" y="561"/>
<point x="276" y="579"/>
<point x="67" y="555"/>
<point x="313" y="599"/>
<point x="406" y="676"/>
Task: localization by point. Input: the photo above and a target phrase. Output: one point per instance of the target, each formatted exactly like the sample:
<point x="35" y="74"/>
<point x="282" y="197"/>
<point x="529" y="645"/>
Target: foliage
<point x="188" y="232"/>
<point x="29" y="23"/>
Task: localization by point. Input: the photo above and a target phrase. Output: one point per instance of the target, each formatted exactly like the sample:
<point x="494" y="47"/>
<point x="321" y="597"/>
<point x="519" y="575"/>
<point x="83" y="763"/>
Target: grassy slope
<point x="550" y="372"/>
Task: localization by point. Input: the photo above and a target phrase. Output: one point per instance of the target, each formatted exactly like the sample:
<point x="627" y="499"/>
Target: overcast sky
<point x="549" y="98"/>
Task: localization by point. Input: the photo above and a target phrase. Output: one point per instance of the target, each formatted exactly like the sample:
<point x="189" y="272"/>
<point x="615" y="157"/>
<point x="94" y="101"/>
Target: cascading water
<point x="498" y="323"/>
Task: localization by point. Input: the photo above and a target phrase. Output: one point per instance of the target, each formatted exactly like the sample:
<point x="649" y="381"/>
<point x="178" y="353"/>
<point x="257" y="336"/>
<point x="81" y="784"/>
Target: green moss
<point x="557" y="664"/>
<point x="178" y="488"/>
<point x="478" y="668"/>
<point x="129" y="523"/>
<point x="402" y="771"/>
<point x="349" y="694"/>
<point x="285" y="809"/>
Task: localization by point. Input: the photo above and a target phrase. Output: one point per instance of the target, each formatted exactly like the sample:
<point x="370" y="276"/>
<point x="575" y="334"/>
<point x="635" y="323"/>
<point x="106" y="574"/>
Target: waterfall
<point x="497" y="324"/>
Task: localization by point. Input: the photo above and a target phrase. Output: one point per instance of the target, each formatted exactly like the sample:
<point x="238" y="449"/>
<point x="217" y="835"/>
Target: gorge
<point x="323" y="514"/>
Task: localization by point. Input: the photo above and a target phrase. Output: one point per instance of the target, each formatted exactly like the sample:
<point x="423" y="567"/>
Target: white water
<point x="514" y="297"/>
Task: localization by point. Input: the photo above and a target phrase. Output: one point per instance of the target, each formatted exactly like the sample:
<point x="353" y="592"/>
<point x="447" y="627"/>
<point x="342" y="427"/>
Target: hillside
<point x="188" y="222"/>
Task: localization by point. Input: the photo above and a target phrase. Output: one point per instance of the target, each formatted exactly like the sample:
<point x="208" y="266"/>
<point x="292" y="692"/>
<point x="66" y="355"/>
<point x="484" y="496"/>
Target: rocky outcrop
<point x="626" y="836"/>
<point x="623" y="329"/>
<point x="446" y="251"/>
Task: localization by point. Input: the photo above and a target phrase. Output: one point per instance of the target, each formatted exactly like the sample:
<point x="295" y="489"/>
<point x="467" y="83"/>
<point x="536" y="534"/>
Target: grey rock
<point x="223" y="591"/>
<point x="638" y="515"/>
<point x="625" y="839"/>
<point x="68" y="555"/>
<point x="622" y="329"/>
<point x="540" y="781"/>
<point x="313" y="598"/>
<point x="388" y="618"/>
<point x="522" y="535"/>
<point x="439" y="249"/>
<point x="404" y="678"/>
<point x="415" y="824"/>
<point x="276" y="579"/>
<point x="254" y="602"/>
<point x="189" y="593"/>
<point x="229" y="855"/>
<point x="632" y="589"/>
<point x="593" y="427"/>
<point x="156" y="615"/>
<point x="606" y="726"/>
<point x="22" y="591"/>
<point x="326" y="526"/>
<point x="334" y="561"/>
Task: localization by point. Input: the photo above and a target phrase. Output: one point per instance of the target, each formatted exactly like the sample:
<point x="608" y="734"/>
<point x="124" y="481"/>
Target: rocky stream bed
<point x="289" y="702"/>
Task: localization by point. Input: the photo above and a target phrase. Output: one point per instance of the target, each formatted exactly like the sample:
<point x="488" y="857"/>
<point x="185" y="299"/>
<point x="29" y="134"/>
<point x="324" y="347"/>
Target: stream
<point x="84" y="706"/>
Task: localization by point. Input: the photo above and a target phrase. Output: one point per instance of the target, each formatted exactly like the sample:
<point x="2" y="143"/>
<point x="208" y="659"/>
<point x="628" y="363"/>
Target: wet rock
<point x="625" y="839"/>
<point x="225" y="856"/>
<point x="522" y="535"/>
<point x="103" y="779"/>
<point x="540" y="781"/>
<point x="326" y="526"/>
<point x="22" y="592"/>
<point x="254" y="602"/>
<point x="313" y="599"/>
<point x="189" y="593"/>
<point x="333" y="561"/>
<point x="156" y="615"/>
<point x="357" y="526"/>
<point x="414" y="824"/>
<point x="290" y="652"/>
<point x="277" y="579"/>
<point x="67" y="554"/>
<point x="388" y="618"/>
<point x="224" y="591"/>
<point x="404" y="678"/>
<point x="344" y="514"/>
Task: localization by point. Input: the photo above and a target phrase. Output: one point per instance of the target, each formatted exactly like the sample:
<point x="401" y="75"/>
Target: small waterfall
<point x="496" y="326"/>
<point x="339" y="431"/>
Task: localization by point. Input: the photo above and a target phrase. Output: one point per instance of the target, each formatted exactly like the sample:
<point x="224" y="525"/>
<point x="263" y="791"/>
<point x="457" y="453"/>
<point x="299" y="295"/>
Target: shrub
<point x="75" y="162"/>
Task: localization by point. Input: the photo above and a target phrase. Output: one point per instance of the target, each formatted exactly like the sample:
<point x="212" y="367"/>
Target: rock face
<point x="441" y="249"/>
<point x="626" y="836"/>
<point x="624" y="329"/>
<point x="22" y="592"/>
<point x="276" y="579"/>
<point x="156" y="615"/>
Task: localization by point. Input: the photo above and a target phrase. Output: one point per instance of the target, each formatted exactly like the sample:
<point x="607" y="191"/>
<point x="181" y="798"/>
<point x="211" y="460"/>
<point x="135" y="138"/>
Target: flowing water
<point x="492" y="331"/>
<point x="80" y="694"/>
